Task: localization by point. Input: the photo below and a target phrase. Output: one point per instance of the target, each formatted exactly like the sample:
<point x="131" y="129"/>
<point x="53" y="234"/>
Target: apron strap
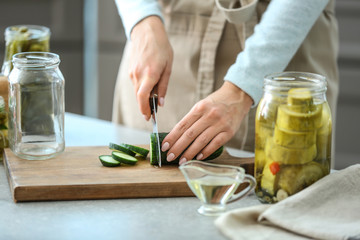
<point x="244" y="19"/>
<point x="213" y="32"/>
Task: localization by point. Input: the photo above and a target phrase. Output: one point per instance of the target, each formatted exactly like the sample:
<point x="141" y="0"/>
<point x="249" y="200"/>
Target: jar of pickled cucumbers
<point x="24" y="38"/>
<point x="292" y="135"/>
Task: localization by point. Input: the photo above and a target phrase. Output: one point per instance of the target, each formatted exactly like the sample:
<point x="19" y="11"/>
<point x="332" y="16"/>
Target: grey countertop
<point x="143" y="218"/>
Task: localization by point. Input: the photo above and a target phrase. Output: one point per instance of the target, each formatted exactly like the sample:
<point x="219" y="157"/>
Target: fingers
<point x="180" y="129"/>
<point x="143" y="94"/>
<point x="210" y="124"/>
<point x="145" y="79"/>
<point x="219" y="139"/>
<point x="200" y="132"/>
<point x="150" y="62"/>
<point x="178" y="141"/>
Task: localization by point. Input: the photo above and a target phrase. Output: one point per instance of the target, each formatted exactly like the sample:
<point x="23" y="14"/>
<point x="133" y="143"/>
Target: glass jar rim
<point x="13" y="30"/>
<point x="286" y="80"/>
<point x="35" y="60"/>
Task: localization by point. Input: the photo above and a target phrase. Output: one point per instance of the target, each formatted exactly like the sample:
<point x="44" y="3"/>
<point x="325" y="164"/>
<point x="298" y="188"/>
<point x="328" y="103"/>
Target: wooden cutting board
<point x="78" y="174"/>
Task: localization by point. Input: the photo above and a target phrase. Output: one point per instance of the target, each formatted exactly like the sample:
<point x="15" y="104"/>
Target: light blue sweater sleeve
<point x="133" y="11"/>
<point x="282" y="29"/>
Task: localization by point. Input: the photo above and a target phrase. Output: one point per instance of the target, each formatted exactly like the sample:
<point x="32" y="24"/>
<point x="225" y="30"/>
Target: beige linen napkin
<point x="328" y="209"/>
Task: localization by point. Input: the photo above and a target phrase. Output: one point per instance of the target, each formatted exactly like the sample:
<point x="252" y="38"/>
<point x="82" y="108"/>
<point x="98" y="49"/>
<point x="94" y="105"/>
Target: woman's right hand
<point x="150" y="62"/>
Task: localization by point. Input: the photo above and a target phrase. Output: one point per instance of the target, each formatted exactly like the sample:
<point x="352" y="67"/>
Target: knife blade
<point x="153" y="106"/>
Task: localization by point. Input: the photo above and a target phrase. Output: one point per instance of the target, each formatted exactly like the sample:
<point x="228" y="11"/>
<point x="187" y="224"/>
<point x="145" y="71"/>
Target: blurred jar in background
<point x="24" y="38"/>
<point x="36" y="106"/>
<point x="19" y="38"/>
<point x="4" y="142"/>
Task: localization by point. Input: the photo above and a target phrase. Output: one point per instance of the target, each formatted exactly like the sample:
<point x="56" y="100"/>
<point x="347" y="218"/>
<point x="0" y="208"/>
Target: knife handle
<point x="153" y="99"/>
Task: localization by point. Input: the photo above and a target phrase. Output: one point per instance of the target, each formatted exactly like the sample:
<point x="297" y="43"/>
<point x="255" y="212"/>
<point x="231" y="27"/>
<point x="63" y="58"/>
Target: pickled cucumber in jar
<point x="293" y="148"/>
<point x="24" y="38"/>
<point x="266" y="115"/>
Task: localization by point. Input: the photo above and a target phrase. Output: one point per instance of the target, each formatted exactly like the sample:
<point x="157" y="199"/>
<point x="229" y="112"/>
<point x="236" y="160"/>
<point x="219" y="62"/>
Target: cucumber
<point x="300" y="97"/>
<point x="297" y="121"/>
<point x="215" y="154"/>
<point x="138" y="150"/>
<point x="124" y="158"/>
<point x="153" y="150"/>
<point x="121" y="148"/>
<point x="268" y="180"/>
<point x="153" y="157"/>
<point x="108" y="161"/>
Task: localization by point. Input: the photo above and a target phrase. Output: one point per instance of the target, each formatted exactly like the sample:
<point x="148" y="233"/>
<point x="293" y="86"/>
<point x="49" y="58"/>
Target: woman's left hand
<point x="210" y="124"/>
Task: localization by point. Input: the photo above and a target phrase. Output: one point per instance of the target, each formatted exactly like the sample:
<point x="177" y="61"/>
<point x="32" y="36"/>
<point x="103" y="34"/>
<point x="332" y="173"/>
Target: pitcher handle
<point x="252" y="183"/>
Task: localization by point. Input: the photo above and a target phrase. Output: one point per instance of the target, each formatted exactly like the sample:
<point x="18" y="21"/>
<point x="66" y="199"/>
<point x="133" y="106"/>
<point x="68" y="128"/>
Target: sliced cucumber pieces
<point x="108" y="161"/>
<point x="122" y="153"/>
<point x="138" y="150"/>
<point x="124" y="158"/>
<point x="121" y="148"/>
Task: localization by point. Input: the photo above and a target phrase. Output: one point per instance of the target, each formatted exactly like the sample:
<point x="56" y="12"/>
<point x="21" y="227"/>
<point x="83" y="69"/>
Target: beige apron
<point x="206" y="37"/>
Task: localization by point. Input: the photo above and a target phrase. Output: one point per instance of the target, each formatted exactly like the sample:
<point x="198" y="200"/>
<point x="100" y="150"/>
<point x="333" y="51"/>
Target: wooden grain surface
<point x="78" y="174"/>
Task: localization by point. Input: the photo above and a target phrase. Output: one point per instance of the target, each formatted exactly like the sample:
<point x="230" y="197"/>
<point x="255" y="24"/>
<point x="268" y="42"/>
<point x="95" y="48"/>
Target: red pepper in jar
<point x="274" y="167"/>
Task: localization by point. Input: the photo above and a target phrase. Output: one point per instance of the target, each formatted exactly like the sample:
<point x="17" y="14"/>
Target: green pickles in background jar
<point x="24" y="38"/>
<point x="19" y="38"/>
<point x="293" y="130"/>
<point x="4" y="142"/>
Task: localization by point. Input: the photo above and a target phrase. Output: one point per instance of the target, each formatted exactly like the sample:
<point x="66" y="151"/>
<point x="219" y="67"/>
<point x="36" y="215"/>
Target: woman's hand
<point x="210" y="124"/>
<point x="150" y="62"/>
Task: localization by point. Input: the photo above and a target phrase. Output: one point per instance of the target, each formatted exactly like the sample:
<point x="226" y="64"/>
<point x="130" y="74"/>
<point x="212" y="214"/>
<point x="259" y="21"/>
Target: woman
<point x="188" y="48"/>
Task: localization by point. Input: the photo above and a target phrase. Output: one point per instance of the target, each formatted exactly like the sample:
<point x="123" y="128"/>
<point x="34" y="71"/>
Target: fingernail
<point x="199" y="156"/>
<point x="182" y="161"/>
<point x="170" y="157"/>
<point x="162" y="101"/>
<point x="146" y="118"/>
<point x="165" y="146"/>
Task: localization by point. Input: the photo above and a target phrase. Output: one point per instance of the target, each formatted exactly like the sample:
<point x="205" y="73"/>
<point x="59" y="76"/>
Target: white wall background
<point x="88" y="36"/>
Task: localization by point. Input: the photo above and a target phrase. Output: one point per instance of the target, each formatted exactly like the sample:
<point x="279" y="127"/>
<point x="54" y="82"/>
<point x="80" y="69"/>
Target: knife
<point x="153" y="106"/>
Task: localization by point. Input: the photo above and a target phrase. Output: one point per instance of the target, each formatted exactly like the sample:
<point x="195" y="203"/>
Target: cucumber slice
<point x="108" y="161"/>
<point x="300" y="97"/>
<point x="153" y="157"/>
<point x="295" y="121"/>
<point x="124" y="158"/>
<point x="121" y="148"/>
<point x="268" y="180"/>
<point x="138" y="150"/>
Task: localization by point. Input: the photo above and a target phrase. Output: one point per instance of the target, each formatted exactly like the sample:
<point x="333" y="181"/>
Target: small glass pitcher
<point x="215" y="185"/>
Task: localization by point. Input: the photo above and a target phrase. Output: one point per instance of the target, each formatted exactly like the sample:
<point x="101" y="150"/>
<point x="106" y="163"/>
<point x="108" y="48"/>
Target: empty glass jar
<point x="292" y="135"/>
<point x="36" y="106"/>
